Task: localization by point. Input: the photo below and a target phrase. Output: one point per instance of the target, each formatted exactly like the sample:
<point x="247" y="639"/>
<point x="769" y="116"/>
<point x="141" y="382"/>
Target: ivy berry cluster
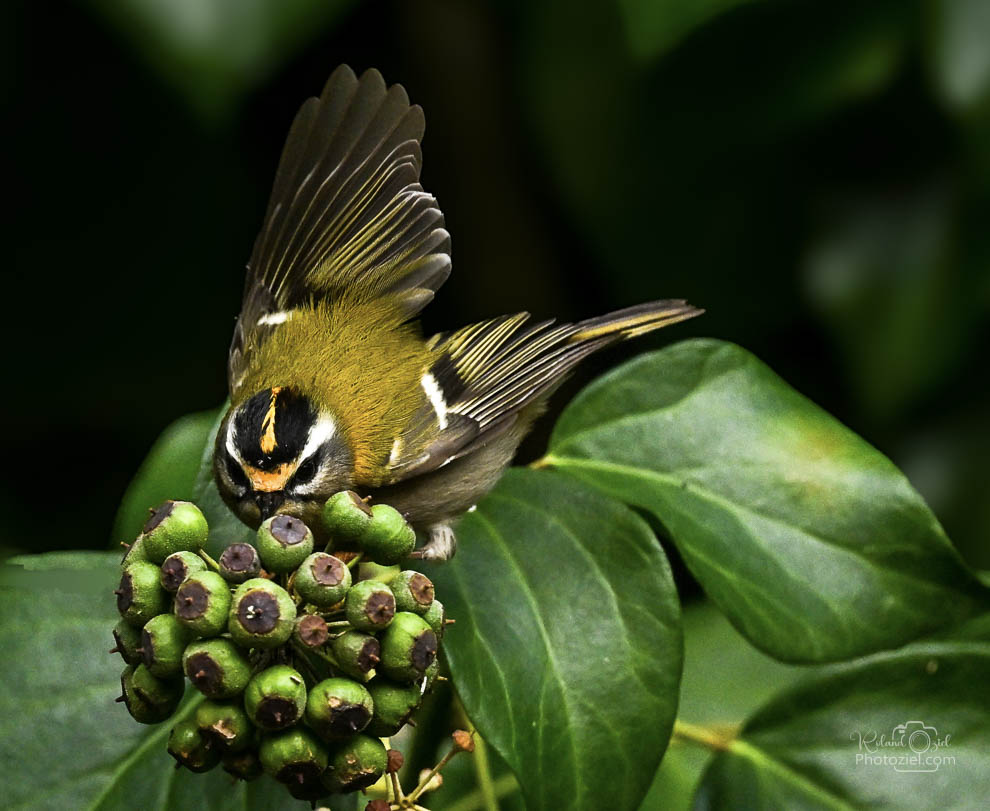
<point x="304" y="666"/>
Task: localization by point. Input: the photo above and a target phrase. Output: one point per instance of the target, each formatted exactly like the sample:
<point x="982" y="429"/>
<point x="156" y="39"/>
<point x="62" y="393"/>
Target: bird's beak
<point x="269" y="502"/>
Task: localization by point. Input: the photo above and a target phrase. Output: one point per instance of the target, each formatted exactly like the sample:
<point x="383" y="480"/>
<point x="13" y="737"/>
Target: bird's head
<point x="277" y="453"/>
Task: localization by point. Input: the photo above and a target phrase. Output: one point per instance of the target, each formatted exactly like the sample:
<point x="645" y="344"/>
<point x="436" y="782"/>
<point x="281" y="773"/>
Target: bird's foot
<point x="441" y="544"/>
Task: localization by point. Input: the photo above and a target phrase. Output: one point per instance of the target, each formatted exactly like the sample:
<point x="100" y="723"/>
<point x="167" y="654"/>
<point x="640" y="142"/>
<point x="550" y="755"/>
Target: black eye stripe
<point x="235" y="471"/>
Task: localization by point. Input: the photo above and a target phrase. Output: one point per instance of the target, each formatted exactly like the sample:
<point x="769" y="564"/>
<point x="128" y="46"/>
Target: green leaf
<point x="725" y="680"/>
<point x="64" y="742"/>
<point x="214" y="51"/>
<point x="811" y="541"/>
<point x="225" y="527"/>
<point x="567" y="648"/>
<point x="810" y="747"/>
<point x="168" y="471"/>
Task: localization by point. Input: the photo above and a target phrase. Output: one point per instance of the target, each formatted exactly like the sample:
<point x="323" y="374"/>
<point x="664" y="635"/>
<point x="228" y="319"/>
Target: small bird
<point x="332" y="384"/>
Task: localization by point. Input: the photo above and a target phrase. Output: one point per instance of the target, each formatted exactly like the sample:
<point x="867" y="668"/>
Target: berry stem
<point x="354" y="560"/>
<point x="209" y="561"/>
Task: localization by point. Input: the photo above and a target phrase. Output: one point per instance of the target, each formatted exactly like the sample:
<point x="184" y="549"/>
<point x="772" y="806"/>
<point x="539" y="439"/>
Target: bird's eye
<point x="235" y="472"/>
<point x="305" y="472"/>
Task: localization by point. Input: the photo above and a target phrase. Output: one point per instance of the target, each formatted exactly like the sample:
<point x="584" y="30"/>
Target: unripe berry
<point x="163" y="640"/>
<point x="226" y="725"/>
<point x="262" y="614"/>
<point x="243" y="765"/>
<point x="134" y="552"/>
<point x="127" y="640"/>
<point x="149" y="700"/>
<point x="409" y="647"/>
<point x="322" y="579"/>
<point x="216" y="668"/>
<point x="297" y="759"/>
<point x="311" y="630"/>
<point x="177" y="567"/>
<point x="337" y="708"/>
<point x="355" y="764"/>
<point x="413" y="592"/>
<point x="202" y="603"/>
<point x="283" y="543"/>
<point x="174" y="526"/>
<point x="370" y="605"/>
<point x="346" y="517"/>
<point x="436" y="618"/>
<point x="188" y="747"/>
<point x="357" y="654"/>
<point x="275" y="698"/>
<point x="239" y="562"/>
<point x="393" y="704"/>
<point x="388" y="538"/>
<point x="140" y="595"/>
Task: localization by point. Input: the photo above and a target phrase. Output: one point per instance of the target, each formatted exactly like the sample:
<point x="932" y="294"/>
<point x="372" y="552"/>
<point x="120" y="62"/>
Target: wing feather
<point x="347" y="213"/>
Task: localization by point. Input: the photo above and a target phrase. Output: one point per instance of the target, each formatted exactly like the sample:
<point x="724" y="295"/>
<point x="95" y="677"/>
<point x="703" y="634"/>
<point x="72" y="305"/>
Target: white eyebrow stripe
<point x="273" y="319"/>
<point x="322" y="430"/>
<point x="435" y="396"/>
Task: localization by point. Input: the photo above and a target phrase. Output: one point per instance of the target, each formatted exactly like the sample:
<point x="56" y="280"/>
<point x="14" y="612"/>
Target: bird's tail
<point x="633" y="321"/>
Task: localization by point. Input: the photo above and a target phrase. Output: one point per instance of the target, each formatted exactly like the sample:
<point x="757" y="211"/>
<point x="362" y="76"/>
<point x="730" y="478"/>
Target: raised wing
<point x="347" y="214"/>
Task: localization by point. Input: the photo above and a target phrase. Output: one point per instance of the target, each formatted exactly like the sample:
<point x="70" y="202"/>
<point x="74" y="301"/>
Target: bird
<point x="333" y="385"/>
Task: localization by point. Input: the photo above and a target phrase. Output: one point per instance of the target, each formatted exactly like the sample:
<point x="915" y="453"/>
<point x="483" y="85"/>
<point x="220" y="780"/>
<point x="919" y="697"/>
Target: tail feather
<point x="634" y="321"/>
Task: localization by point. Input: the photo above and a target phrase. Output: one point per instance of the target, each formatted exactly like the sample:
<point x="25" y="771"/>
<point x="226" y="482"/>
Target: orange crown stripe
<point x="268" y="442"/>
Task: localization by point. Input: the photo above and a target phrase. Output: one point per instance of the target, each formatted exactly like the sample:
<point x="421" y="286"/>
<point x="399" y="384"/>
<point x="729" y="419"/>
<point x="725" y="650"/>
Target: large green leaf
<point x="168" y="471"/>
<point x="64" y="742"/>
<point x="567" y="647"/>
<point x="725" y="680"/>
<point x="812" y="746"/>
<point x="810" y="540"/>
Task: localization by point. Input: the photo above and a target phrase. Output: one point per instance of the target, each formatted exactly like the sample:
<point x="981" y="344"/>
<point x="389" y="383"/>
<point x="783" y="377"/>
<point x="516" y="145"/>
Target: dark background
<point x="816" y="175"/>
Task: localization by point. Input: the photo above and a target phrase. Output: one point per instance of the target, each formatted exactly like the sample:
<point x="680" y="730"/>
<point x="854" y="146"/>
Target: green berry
<point x="413" y="592"/>
<point x="262" y="614"/>
<point x="394" y="703"/>
<point x="357" y="654"/>
<point x="243" y="765"/>
<point x="388" y="538"/>
<point x="283" y="543"/>
<point x="226" y="725"/>
<point x="149" y="700"/>
<point x="297" y="759"/>
<point x="178" y="566"/>
<point x="370" y="605"/>
<point x="190" y="749"/>
<point x="356" y="764"/>
<point x="311" y="630"/>
<point x="337" y="708"/>
<point x="239" y="562"/>
<point x="216" y="668"/>
<point x="436" y="618"/>
<point x="275" y="698"/>
<point x="174" y="526"/>
<point x="202" y="603"/>
<point x="134" y="552"/>
<point x="346" y="517"/>
<point x="127" y="640"/>
<point x="322" y="579"/>
<point x="163" y="641"/>
<point x="409" y="647"/>
<point x="140" y="595"/>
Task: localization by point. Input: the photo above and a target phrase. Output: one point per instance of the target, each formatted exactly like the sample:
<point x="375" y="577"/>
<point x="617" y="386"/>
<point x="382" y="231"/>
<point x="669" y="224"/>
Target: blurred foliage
<point x="817" y="175"/>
